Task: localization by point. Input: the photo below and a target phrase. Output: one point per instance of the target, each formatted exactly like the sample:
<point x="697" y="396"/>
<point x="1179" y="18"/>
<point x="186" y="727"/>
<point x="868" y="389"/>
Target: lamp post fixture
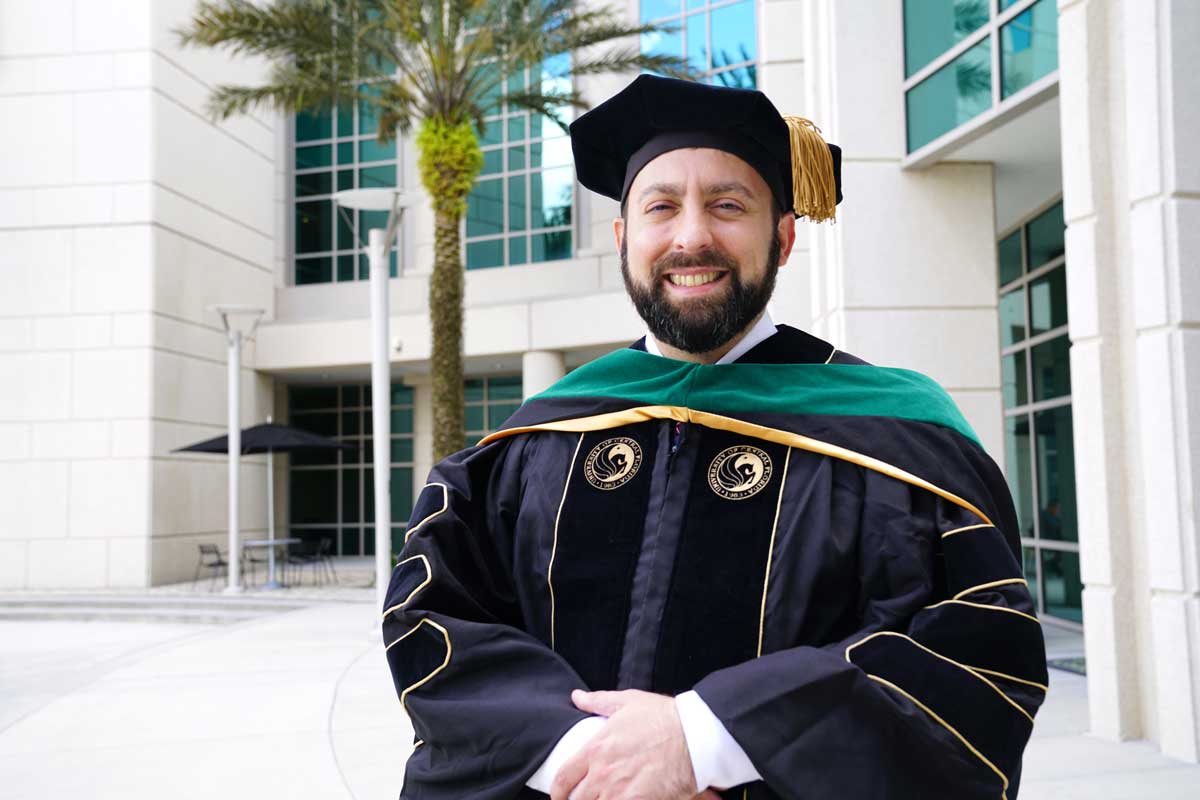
<point x="233" y="338"/>
<point x="378" y="239"/>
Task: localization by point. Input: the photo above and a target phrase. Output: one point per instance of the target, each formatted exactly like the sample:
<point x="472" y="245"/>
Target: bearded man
<point x="729" y="560"/>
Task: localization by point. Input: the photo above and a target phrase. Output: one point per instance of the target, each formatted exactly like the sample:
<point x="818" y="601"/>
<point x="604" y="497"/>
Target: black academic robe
<point x="831" y="566"/>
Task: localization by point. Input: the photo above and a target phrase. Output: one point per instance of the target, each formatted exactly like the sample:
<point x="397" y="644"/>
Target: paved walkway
<point x="298" y="703"/>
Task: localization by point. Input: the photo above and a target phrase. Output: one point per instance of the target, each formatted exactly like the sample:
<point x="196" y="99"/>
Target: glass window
<point x="718" y="39"/>
<point x="954" y="94"/>
<point x="313" y="125"/>
<point x="1012" y="317"/>
<point x="1046" y="237"/>
<point x="1062" y="585"/>
<point x="313" y="495"/>
<point x="1056" y="474"/>
<point x="1018" y="457"/>
<point x="311" y="397"/>
<point x="1030" y="567"/>
<point x="1029" y="47"/>
<point x="314" y="226"/>
<point x="1014" y="387"/>
<point x="1009" y="257"/>
<point x="1048" y="302"/>
<point x="313" y="270"/>
<point x="1051" y="369"/>
<point x="931" y="27"/>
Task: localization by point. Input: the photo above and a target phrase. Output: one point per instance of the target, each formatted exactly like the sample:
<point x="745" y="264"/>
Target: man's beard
<point x="703" y="325"/>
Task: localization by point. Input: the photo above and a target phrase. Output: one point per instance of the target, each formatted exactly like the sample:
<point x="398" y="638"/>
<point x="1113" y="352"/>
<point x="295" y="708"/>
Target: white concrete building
<point x="1022" y="201"/>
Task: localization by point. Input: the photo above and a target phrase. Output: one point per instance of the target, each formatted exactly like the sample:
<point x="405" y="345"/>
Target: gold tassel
<point x="814" y="192"/>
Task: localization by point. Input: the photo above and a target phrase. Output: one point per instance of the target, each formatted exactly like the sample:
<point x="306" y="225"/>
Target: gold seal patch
<point x="613" y="463"/>
<point x="739" y="472"/>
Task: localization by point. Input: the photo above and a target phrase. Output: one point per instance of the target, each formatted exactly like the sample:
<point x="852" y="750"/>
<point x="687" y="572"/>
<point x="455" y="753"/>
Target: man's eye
<point x="659" y="207"/>
<point x="729" y="205"/>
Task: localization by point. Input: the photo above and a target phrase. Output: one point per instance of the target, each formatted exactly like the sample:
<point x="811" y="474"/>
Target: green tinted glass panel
<point x="368" y="490"/>
<point x="381" y="176"/>
<point x="482" y="255"/>
<point x="551" y="246"/>
<point x="505" y="388"/>
<point x="485" y="209"/>
<point x="550" y="153"/>
<point x="345" y="179"/>
<point x="402" y="420"/>
<point x="313" y="183"/>
<point x="518" y="251"/>
<point x="1056" y="474"/>
<point x="350" y="542"/>
<point x="492" y="133"/>
<point x="345" y="229"/>
<point x="498" y="412"/>
<point x="372" y="150"/>
<point x="1046" y="234"/>
<point x="313" y="495"/>
<point x="397" y="539"/>
<point x="516" y="157"/>
<point x="313" y="125"/>
<point x="350" y="500"/>
<point x="1018" y="467"/>
<point x="1029" y="47"/>
<point x="470" y="441"/>
<point x="311" y="537"/>
<point x="550" y="195"/>
<point x="493" y="161"/>
<point x="1061" y="585"/>
<point x="314" y="270"/>
<point x="345" y="152"/>
<point x="351" y="395"/>
<point x="351" y="423"/>
<point x="320" y="155"/>
<point x="1014" y="385"/>
<point x="697" y="41"/>
<point x="314" y="226"/>
<point x="345" y="268"/>
<point x="473" y="391"/>
<point x="402" y="395"/>
<point x="315" y="458"/>
<point x="1048" y="302"/>
<point x="1012" y="317"/>
<point x="657" y="9"/>
<point x="309" y="397"/>
<point x="1029" y="567"/>
<point x="402" y="450"/>
<point x="517" y="202"/>
<point x="402" y="492"/>
<point x="1009" y="257"/>
<point x="1007" y="3"/>
<point x="931" y="27"/>
<point x="473" y="418"/>
<point x="516" y="128"/>
<point x="322" y="423"/>
<point x="736" y="78"/>
<point x="734" y="35"/>
<point x="1051" y="369"/>
<point x="345" y="120"/>
<point x="954" y="94"/>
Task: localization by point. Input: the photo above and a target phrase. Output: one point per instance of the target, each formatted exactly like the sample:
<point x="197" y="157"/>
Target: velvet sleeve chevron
<point x="934" y="696"/>
<point x="487" y="699"/>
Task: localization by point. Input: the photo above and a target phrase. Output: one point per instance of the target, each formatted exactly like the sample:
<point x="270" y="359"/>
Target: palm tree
<point x="438" y="65"/>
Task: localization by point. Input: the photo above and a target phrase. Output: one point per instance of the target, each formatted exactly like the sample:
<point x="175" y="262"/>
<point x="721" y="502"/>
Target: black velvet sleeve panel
<point x="933" y="696"/>
<point x="487" y="699"/>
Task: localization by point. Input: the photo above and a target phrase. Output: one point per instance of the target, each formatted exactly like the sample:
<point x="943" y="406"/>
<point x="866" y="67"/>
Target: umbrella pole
<point x="235" y="454"/>
<point x="271" y="582"/>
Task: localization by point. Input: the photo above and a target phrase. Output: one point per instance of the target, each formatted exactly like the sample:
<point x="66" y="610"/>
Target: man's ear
<point x="785" y="232"/>
<point x="619" y="231"/>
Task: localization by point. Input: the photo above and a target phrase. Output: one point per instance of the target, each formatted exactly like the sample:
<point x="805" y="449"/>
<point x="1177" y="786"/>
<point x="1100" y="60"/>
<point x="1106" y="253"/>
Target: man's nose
<point x="693" y="234"/>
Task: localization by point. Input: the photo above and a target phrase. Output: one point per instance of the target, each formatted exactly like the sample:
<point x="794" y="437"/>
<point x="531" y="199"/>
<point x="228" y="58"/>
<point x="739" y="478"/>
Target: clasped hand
<point x="639" y="754"/>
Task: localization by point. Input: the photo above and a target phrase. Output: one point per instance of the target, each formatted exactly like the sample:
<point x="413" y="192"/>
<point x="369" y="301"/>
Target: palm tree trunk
<point x="446" y="313"/>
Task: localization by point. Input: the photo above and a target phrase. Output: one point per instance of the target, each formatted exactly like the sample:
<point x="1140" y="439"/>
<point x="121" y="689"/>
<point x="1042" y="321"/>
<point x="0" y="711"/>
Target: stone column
<point x="540" y="369"/>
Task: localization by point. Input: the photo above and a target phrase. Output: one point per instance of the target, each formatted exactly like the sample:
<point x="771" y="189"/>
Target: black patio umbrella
<point x="269" y="438"/>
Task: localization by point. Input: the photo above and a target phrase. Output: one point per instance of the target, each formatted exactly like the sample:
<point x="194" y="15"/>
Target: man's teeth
<point x="695" y="279"/>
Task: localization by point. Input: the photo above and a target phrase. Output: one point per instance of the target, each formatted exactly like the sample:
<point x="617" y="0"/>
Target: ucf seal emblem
<point x="613" y="463"/>
<point x="739" y="472"/>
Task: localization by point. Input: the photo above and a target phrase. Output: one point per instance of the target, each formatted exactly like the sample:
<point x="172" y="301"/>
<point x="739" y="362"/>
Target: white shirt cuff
<point x="718" y="761"/>
<point x="571" y="743"/>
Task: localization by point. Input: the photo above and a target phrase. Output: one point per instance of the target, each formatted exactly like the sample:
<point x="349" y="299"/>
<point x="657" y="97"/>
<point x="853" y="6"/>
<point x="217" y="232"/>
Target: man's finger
<point x="568" y="777"/>
<point x="603" y="703"/>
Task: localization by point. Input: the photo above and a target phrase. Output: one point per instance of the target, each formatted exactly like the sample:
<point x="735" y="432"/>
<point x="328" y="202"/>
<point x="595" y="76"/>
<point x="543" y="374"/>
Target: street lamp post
<point x="378" y="239"/>
<point x="233" y="338"/>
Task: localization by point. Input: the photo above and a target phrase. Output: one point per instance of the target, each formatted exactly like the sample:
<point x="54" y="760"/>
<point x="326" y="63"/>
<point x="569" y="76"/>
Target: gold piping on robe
<point x="413" y="593"/>
<point x="762" y="611"/>
<point x="442" y="510"/>
<point x="554" y="546"/>
<point x="967" y="528"/>
<point x="986" y="607"/>
<point x="614" y="419"/>
<point x="436" y="670"/>
<point x="989" y="585"/>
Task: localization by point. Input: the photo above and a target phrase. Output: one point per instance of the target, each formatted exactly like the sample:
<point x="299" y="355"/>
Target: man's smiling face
<point x="701" y="242"/>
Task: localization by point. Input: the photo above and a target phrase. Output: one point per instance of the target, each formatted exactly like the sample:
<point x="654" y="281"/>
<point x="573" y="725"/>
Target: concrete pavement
<point x="298" y="703"/>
